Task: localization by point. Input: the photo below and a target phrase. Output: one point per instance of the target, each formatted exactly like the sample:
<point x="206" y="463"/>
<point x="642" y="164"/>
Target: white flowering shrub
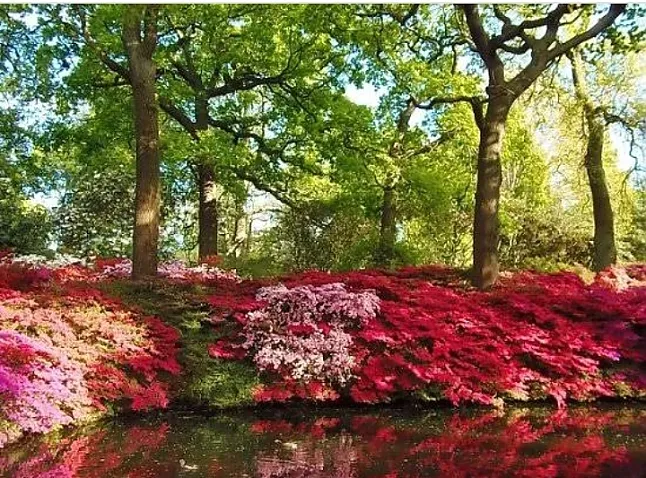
<point x="302" y="333"/>
<point x="35" y="260"/>
<point x="178" y="270"/>
<point x="103" y="269"/>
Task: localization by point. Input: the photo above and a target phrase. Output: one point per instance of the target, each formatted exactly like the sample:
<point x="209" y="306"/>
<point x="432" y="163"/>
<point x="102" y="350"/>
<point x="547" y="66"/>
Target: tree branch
<point x="510" y="31"/>
<point x="475" y="102"/>
<point x="483" y="44"/>
<point x="604" y="22"/>
<point x="178" y="115"/>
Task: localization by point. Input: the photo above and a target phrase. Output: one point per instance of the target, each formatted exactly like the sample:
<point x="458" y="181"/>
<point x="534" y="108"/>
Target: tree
<point x="605" y="250"/>
<point x="140" y="40"/>
<point x="409" y="52"/>
<point x="602" y="108"/>
<point x="515" y="39"/>
<point x="120" y="39"/>
<point x="232" y="81"/>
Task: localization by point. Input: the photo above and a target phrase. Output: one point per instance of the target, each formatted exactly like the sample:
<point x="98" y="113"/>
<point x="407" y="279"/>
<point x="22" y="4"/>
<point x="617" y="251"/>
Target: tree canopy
<point x="287" y="137"/>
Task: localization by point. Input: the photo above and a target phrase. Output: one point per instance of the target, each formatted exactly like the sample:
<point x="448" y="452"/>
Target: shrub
<point x="301" y="334"/>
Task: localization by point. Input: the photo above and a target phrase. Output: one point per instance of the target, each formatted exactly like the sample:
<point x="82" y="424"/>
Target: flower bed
<point x="424" y="333"/>
<point x="70" y="352"/>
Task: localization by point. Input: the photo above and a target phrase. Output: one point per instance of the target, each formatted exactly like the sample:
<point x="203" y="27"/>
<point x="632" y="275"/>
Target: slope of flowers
<point x="535" y="336"/>
<point x="68" y="353"/>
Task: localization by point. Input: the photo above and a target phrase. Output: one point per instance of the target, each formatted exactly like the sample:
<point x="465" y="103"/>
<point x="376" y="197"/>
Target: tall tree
<point x="140" y="40"/>
<point x="605" y="250"/>
<point x="83" y="45"/>
<point x="608" y="96"/>
<point x="93" y="32"/>
<point x="516" y="39"/>
<point x="409" y="52"/>
<point x="211" y="79"/>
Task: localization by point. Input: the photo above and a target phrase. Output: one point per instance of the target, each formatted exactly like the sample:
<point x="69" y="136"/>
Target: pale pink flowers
<point x="302" y="332"/>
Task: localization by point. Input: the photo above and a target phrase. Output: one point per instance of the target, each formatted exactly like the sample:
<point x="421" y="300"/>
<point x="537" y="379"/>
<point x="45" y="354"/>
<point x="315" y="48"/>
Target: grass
<point x="205" y="382"/>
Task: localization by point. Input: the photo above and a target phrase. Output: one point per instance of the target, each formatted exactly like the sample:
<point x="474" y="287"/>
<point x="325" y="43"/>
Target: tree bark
<point x="485" y="224"/>
<point x="208" y="217"/>
<point x="208" y="212"/>
<point x="142" y="70"/>
<point x="388" y="229"/>
<point x="605" y="251"/>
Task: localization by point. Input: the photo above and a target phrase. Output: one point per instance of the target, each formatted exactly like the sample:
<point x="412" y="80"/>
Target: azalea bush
<point x="422" y="332"/>
<point x="303" y="334"/>
<point x="68" y="352"/>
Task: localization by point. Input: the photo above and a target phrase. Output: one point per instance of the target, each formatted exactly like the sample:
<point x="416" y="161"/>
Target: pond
<point x="386" y="442"/>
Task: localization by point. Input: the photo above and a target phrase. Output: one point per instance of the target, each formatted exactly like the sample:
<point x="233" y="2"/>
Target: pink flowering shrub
<point x="177" y="270"/>
<point x="302" y="333"/>
<point x="67" y="353"/>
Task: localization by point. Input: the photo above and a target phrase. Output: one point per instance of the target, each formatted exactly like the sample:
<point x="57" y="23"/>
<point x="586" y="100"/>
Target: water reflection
<point x="581" y="442"/>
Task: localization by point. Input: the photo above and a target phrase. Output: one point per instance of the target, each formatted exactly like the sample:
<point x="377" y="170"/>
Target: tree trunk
<point x="208" y="212"/>
<point x="388" y="230"/>
<point x="605" y="252"/>
<point x="148" y="191"/>
<point x="485" y="225"/>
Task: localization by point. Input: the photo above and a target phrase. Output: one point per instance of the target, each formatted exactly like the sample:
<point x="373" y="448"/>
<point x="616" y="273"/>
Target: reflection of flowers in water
<point x="573" y="443"/>
<point x="95" y="455"/>
<point x="568" y="444"/>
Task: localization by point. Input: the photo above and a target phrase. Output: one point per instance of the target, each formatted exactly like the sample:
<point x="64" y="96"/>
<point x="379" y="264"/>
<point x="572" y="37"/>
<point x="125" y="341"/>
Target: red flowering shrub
<point x="536" y="335"/>
<point x="67" y="352"/>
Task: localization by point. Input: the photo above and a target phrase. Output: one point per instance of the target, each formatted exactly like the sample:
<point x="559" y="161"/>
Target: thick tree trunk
<point x="148" y="191"/>
<point x="388" y="229"/>
<point x="485" y="225"/>
<point x="605" y="252"/>
<point x="208" y="212"/>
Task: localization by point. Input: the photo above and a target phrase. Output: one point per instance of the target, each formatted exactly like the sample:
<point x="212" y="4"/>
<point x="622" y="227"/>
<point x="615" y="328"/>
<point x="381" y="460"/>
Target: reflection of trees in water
<point x="573" y="443"/>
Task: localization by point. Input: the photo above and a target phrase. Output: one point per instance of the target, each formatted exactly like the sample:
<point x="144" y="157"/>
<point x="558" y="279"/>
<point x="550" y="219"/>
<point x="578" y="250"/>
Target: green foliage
<point x="636" y="235"/>
<point x="24" y="227"/>
<point x="289" y="147"/>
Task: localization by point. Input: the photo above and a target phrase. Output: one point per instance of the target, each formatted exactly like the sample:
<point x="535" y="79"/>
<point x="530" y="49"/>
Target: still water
<point x="531" y="442"/>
